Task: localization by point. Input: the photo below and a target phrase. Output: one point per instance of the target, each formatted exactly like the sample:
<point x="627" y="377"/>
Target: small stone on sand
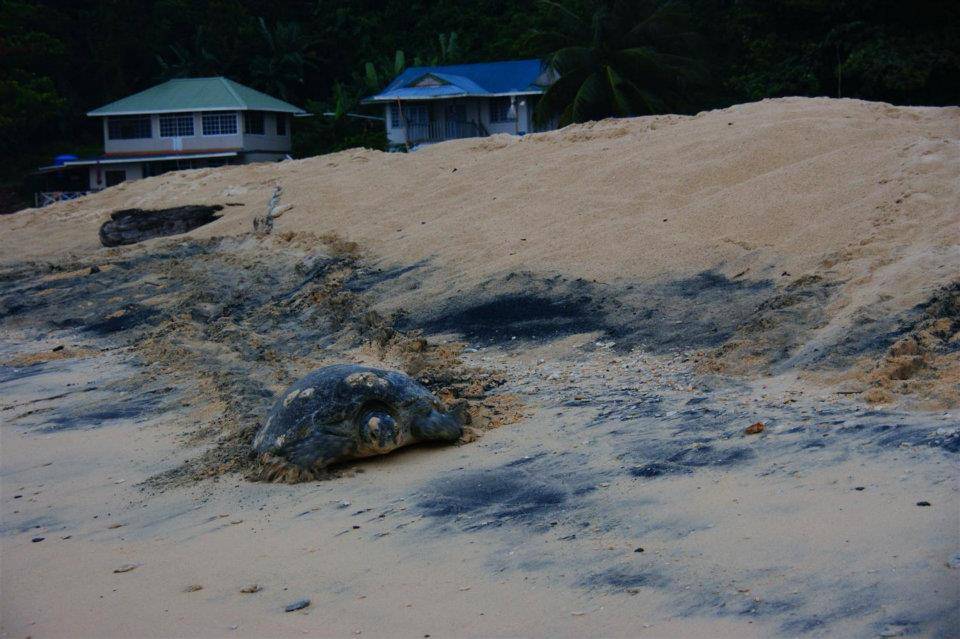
<point x="297" y="605"/>
<point x="754" y="429"/>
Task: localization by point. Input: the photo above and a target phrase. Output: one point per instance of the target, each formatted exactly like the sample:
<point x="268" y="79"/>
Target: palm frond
<point x="265" y="32"/>
<point x="537" y="40"/>
<point x="671" y="16"/>
<point x="568" y="20"/>
<point x="622" y="103"/>
<point x="619" y="59"/>
<point x="569" y="58"/>
<point x="588" y="101"/>
<point x="654" y="64"/>
<point x="634" y="100"/>
<point x="559" y="95"/>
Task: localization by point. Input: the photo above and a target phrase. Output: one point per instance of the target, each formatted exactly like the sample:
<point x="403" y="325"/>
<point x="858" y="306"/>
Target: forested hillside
<point x="61" y="59"/>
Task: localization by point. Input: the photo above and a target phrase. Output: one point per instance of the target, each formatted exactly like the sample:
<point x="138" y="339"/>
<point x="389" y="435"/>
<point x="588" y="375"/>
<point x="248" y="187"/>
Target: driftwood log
<point x="130" y="226"/>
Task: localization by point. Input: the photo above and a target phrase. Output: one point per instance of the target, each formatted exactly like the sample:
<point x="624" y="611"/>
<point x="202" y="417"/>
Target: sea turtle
<point x="346" y="412"/>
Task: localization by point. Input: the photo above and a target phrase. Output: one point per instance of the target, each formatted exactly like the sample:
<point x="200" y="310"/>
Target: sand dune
<point x="862" y="196"/>
<point x="618" y="302"/>
<point x="776" y="185"/>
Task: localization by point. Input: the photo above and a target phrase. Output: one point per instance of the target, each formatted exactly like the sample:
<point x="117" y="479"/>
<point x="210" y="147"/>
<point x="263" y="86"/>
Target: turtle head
<point x="383" y="427"/>
<point x="378" y="430"/>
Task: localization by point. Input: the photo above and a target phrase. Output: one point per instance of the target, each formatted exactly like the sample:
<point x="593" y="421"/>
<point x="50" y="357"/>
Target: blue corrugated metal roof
<point x="460" y="81"/>
<point x="484" y="78"/>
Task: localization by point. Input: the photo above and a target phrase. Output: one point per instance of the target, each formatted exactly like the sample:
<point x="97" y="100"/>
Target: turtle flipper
<point x="438" y="427"/>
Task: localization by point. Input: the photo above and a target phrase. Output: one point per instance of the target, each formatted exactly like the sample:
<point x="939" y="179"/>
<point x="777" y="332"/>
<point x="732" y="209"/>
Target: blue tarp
<point x="482" y="79"/>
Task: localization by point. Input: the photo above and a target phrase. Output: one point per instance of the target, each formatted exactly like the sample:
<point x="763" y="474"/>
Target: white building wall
<point x="477" y="111"/>
<point x="395" y="136"/>
<point x="270" y="141"/>
<point x="98" y="173"/>
<point x="521" y="124"/>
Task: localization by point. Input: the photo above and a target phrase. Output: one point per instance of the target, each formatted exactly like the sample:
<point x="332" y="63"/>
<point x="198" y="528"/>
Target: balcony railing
<point x="45" y="198"/>
<point x="440" y="131"/>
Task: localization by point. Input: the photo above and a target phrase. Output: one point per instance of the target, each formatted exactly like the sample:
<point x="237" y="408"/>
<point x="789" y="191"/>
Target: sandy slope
<point x="776" y="185"/>
<point x="647" y="288"/>
<point x="860" y="194"/>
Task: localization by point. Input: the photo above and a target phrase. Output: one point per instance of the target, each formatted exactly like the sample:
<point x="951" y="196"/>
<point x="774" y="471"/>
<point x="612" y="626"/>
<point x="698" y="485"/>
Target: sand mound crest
<point x="864" y="196"/>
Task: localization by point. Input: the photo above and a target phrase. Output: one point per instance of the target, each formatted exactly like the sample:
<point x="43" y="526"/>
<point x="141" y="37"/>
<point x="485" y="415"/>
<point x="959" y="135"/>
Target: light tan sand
<point x="866" y="190"/>
<point x="731" y="552"/>
<point x="864" y="194"/>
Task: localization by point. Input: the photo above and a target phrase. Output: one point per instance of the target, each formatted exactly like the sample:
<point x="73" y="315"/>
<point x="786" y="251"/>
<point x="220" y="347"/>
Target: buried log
<point x="130" y="226"/>
<point x="347" y="412"/>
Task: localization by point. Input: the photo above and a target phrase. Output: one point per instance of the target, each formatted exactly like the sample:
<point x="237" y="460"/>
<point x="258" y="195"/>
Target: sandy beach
<point x="619" y="303"/>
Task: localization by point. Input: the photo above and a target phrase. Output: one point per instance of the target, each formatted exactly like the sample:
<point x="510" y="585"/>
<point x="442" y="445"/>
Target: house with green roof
<point x="184" y="123"/>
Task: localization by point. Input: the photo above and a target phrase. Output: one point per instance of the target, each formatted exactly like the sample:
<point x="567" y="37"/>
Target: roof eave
<point x="150" y="158"/>
<point x="380" y="100"/>
<point x="415" y="98"/>
<point x="99" y="114"/>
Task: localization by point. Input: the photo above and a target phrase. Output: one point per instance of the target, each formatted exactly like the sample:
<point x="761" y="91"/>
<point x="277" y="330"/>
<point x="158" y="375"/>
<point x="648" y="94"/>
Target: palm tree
<point x="375" y="79"/>
<point x="190" y="61"/>
<point x="286" y="56"/>
<point x="448" y="52"/>
<point x="378" y="75"/>
<point x="615" y="61"/>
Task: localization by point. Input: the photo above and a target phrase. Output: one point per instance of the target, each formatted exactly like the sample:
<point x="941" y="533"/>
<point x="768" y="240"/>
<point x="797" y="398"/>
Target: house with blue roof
<point x="431" y="104"/>
<point x="185" y="123"/>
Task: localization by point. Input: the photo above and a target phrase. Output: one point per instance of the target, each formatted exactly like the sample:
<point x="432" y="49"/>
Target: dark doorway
<point x="115" y="177"/>
<point x="456" y="118"/>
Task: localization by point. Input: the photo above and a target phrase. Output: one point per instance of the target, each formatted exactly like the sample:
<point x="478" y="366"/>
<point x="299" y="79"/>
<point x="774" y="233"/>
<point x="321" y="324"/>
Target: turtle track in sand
<point x="226" y="324"/>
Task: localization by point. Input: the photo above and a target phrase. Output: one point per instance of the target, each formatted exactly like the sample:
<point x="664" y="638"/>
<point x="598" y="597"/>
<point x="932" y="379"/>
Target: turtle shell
<point x="347" y="411"/>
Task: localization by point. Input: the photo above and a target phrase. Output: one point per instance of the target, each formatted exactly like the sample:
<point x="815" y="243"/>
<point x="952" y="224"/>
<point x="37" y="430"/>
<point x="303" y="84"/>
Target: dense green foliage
<point x="60" y="59"/>
<point x="621" y="59"/>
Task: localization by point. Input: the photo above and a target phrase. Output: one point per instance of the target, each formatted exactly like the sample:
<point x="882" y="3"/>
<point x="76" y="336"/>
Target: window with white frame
<point x="129" y="128"/>
<point x="219" y="123"/>
<point x="281" y="124"/>
<point x="500" y="110"/>
<point x="415" y="115"/>
<point x="253" y="122"/>
<point x="176" y="125"/>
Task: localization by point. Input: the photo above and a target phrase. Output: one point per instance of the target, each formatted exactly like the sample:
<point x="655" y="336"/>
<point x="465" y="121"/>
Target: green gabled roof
<point x="196" y="94"/>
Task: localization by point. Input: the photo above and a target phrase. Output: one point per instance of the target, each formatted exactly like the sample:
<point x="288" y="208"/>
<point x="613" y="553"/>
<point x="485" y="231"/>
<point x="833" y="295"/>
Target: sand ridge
<point x="626" y="298"/>
<point x="863" y="193"/>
